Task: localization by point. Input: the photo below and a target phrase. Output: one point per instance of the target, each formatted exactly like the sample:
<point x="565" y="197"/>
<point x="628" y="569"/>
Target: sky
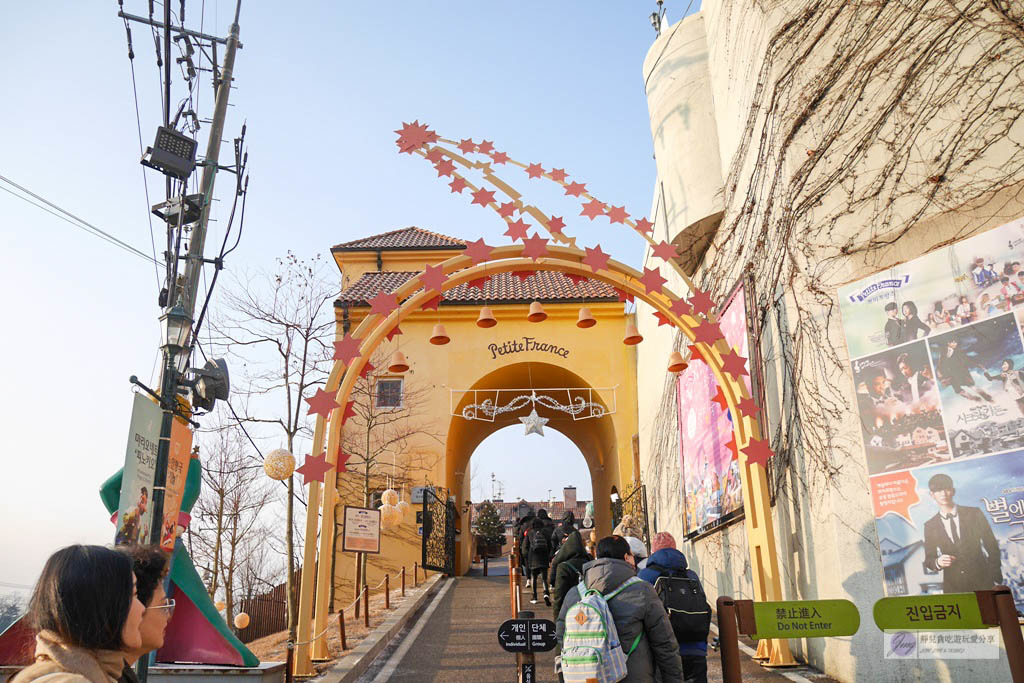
<point x="321" y="86"/>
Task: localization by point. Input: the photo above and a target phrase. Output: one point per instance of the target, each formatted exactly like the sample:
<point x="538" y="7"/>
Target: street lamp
<point x="175" y="325"/>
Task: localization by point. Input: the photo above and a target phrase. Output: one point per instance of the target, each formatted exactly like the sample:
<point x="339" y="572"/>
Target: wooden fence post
<point x="341" y="630"/>
<point x="366" y="606"/>
<point x="403" y="581"/>
<point x="415" y="574"/>
<point x="387" y="591"/>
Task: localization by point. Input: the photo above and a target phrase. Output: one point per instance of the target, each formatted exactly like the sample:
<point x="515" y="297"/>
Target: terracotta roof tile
<point x="547" y="286"/>
<point x="412" y="238"/>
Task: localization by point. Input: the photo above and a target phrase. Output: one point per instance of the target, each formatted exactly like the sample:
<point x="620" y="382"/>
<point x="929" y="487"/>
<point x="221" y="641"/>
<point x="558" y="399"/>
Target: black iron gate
<point x="438" y="531"/>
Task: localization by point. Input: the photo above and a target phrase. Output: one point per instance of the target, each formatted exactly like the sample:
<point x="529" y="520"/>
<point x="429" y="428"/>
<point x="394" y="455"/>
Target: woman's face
<point x="130" y="635"/>
<point x="1006" y="366"/>
<point x="906" y="311"/>
<point x="154" y="621"/>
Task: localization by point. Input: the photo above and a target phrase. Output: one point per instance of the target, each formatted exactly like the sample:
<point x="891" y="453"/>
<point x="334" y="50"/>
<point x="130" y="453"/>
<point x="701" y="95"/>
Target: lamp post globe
<point x="175" y="326"/>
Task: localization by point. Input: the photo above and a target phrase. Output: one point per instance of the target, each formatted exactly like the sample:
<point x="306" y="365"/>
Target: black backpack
<point x="540" y="542"/>
<point x="687" y="606"/>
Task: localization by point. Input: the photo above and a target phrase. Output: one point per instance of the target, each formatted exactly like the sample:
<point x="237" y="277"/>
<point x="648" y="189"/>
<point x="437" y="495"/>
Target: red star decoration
<point x="577" y="279"/>
<point x="558" y="175"/>
<point x="322" y="403"/>
<point x="663" y="319"/>
<point x="734" y="364"/>
<point x="523" y="275"/>
<point x="433" y="277"/>
<point x="517" y="229"/>
<point x="758" y="451"/>
<point x="596" y="259"/>
<point x="485" y="147"/>
<point x="701" y="302"/>
<point x="499" y="157"/>
<point x="479" y="282"/>
<point x="314" y="468"/>
<point x="575" y="189"/>
<point x="412" y="136"/>
<point x="617" y="214"/>
<point x="478" y="251"/>
<point x="383" y="303"/>
<point x="467" y="146"/>
<point x="721" y="400"/>
<point x="445" y="167"/>
<point x="394" y="332"/>
<point x="695" y="354"/>
<point x="748" y="407"/>
<point x="732" y="448"/>
<point x="623" y="297"/>
<point x="434" y="155"/>
<point x="592" y="209"/>
<point x="432" y="304"/>
<point x="644" y="226"/>
<point x="707" y="332"/>
<point x="483" y="197"/>
<point x="367" y="369"/>
<point x="556" y="224"/>
<point x="350" y="411"/>
<point x="534" y="170"/>
<point x="536" y="246"/>
<point x="457" y="185"/>
<point x="665" y="251"/>
<point x="652" y="280"/>
<point x="343" y="458"/>
<point x="507" y="209"/>
<point x="680" y="307"/>
<point x="347" y="349"/>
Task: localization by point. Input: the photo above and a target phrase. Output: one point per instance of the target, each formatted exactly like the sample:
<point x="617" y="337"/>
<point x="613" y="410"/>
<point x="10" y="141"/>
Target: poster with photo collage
<point x="937" y="358"/>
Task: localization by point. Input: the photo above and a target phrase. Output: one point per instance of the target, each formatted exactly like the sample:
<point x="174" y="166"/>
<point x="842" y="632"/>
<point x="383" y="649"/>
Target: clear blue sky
<point x="322" y="86"/>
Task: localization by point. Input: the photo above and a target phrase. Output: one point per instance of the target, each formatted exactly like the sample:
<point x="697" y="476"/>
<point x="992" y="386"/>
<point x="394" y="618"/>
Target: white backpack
<point x="591" y="651"/>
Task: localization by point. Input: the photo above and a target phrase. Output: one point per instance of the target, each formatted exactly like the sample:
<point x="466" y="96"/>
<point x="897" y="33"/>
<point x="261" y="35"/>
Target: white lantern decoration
<point x="389" y="516"/>
<point x="220" y="605"/>
<point x="403" y="508"/>
<point x="279" y="464"/>
<point x="241" y="620"/>
<point x="389" y="496"/>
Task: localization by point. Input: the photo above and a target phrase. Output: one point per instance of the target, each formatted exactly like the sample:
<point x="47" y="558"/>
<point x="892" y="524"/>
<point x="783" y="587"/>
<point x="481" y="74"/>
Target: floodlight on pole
<point x="172" y="153"/>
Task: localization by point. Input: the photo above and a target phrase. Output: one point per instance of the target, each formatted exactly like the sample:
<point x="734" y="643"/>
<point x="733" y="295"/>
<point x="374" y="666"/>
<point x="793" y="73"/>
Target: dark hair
<point x="940" y="482"/>
<point x="145" y="492"/>
<point x="1004" y="279"/>
<point x="938" y="306"/>
<point x="542" y="514"/>
<point x="1009" y="361"/>
<point x="150" y="566"/>
<point x="83" y="595"/>
<point x="912" y="306"/>
<point x="613" y="546"/>
<point x="538" y="523"/>
<point x="891" y="306"/>
<point x="905" y="359"/>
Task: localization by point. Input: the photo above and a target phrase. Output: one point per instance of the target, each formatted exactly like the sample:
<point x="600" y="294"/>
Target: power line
<point x="71" y="218"/>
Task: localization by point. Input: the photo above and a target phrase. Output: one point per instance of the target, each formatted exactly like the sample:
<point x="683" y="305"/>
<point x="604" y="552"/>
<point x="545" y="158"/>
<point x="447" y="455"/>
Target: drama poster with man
<point x="134" y="510"/>
<point x="956" y="527"/>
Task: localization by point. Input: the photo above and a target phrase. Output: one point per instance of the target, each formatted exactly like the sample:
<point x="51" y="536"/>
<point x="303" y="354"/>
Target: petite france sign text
<point x="526" y="344"/>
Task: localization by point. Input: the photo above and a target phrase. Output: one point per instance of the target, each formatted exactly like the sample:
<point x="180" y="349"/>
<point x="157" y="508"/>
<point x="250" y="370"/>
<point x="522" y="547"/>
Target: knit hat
<point x="662" y="540"/>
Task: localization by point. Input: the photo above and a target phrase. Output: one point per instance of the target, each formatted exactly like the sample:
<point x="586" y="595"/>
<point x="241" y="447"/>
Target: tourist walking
<point x="563" y="529"/>
<point x="567" y="568"/>
<point x="150" y="566"/>
<point x="538" y="548"/>
<point x="86" y="615"/>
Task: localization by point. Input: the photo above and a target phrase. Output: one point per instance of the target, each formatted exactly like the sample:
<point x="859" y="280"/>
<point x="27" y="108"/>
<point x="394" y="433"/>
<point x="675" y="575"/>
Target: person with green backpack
<point x="613" y="626"/>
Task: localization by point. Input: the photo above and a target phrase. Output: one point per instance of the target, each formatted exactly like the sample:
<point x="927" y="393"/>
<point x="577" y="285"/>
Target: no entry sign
<point x="527" y="635"/>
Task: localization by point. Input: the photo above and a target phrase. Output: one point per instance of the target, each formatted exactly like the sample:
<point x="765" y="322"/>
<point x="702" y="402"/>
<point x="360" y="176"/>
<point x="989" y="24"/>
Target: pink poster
<point x="712" y="493"/>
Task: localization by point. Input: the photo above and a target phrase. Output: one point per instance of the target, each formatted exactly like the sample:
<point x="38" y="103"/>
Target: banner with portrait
<point x="709" y="465"/>
<point x="937" y="357"/>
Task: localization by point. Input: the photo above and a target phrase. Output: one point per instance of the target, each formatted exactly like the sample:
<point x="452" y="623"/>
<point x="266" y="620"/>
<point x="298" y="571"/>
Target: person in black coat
<point x="562" y="530"/>
<point x="959" y="541"/>
<point x="567" y="568"/>
<point x="538" y="549"/>
<point x="524" y="524"/>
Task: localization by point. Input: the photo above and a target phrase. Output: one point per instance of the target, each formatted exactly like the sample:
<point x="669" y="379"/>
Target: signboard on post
<point x="362" y="530"/>
<point x="798" y="618"/>
<point x="134" y="512"/>
<point x="527" y="635"/>
<point x="177" y="471"/>
<point x="940" y="612"/>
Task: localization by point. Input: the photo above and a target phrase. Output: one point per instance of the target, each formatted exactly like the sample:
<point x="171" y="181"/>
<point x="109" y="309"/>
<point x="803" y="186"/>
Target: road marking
<point x="751" y="652"/>
<point x="396" y="659"/>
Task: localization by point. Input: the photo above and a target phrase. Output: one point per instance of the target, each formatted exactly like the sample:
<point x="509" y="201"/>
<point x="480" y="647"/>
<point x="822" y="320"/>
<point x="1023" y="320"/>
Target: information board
<point x="362" y="530"/>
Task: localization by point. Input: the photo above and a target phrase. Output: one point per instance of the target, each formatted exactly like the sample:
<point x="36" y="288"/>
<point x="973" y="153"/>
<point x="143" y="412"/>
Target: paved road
<point x="454" y="640"/>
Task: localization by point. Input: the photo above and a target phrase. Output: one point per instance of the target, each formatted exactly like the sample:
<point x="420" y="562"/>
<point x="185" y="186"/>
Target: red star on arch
<point x="624" y="297"/>
<point x="467" y="146"/>
<point x="695" y="354"/>
<point x="367" y="369"/>
<point x="577" y="279"/>
<point x="701" y="301"/>
<point x="445" y="168"/>
<point x="575" y="189"/>
<point x="534" y="170"/>
<point x="707" y="332"/>
<point x="734" y="364"/>
<point x="483" y="197"/>
<point x="517" y="229"/>
<point x="314" y="469"/>
<point x="523" y="275"/>
<point x="485" y="147"/>
<point x="721" y="400"/>
<point x="617" y="214"/>
<point x="499" y="157"/>
<point x="536" y="246"/>
<point x="432" y="304"/>
<point x="322" y="403"/>
<point x="596" y="259"/>
<point x="350" y="411"/>
<point x="478" y="251"/>
<point x="394" y="332"/>
<point x="758" y="451"/>
<point x="383" y="303"/>
<point x="732" y="448"/>
<point x="435" y="155"/>
<point x="556" y="224"/>
<point x="347" y="348"/>
<point x="652" y="280"/>
<point x="663" y="319"/>
<point x="412" y="136"/>
<point x="748" y="407"/>
<point x="665" y="251"/>
<point x="593" y="209"/>
<point x="433" y="277"/>
<point x="457" y="185"/>
<point x="479" y="282"/>
<point x="558" y="175"/>
<point x="343" y="458"/>
<point x="680" y="307"/>
<point x="507" y="209"/>
<point x="644" y="226"/>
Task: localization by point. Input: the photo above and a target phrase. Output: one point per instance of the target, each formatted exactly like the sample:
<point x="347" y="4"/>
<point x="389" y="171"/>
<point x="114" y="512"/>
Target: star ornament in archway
<point x="701" y="301"/>
<point x="322" y="403"/>
<point x="347" y="349"/>
<point x="734" y="364"/>
<point x="536" y="246"/>
<point x="383" y="303"/>
<point x="478" y="251"/>
<point x="534" y="423"/>
<point x="758" y="451"/>
<point x="314" y="468"/>
<point x="412" y="136"/>
<point x="707" y="332"/>
<point x="433" y="278"/>
<point x="652" y="280"/>
<point x="343" y="458"/>
<point x="596" y="259"/>
<point x="517" y="229"/>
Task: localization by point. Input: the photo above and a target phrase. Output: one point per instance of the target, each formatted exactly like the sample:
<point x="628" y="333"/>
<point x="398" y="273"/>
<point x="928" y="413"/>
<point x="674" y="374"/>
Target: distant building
<point x="511" y="511"/>
<point x="905" y="573"/>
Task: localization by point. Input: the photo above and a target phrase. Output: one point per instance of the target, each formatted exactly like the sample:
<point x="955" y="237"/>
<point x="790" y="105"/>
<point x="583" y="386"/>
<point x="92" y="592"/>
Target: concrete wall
<point x="718" y="64"/>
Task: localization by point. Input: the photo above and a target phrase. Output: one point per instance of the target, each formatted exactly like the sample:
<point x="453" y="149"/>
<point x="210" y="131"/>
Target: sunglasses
<point x="168" y="605"/>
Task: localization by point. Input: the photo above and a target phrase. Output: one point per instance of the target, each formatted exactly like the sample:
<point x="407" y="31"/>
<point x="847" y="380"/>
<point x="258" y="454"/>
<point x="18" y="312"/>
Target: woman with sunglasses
<point x="150" y="566"/>
<point x="86" y="615"/>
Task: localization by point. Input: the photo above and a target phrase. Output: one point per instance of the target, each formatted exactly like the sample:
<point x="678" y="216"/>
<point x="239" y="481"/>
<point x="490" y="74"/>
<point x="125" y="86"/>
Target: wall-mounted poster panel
<point x="712" y="492"/>
<point x="937" y="356"/>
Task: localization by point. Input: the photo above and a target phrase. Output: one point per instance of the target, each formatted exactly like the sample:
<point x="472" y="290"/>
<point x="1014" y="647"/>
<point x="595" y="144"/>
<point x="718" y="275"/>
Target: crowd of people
<point x="96" y="611"/>
<point x="655" y="601"/>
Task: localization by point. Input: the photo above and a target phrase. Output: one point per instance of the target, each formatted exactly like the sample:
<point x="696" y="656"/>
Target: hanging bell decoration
<point x="398" y="363"/>
<point x="537" y="314"/>
<point x="676" y="362"/>
<point x="586" y="318"/>
<point x="486" y="318"/>
<point x="440" y="336"/>
<point x="633" y="336"/>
